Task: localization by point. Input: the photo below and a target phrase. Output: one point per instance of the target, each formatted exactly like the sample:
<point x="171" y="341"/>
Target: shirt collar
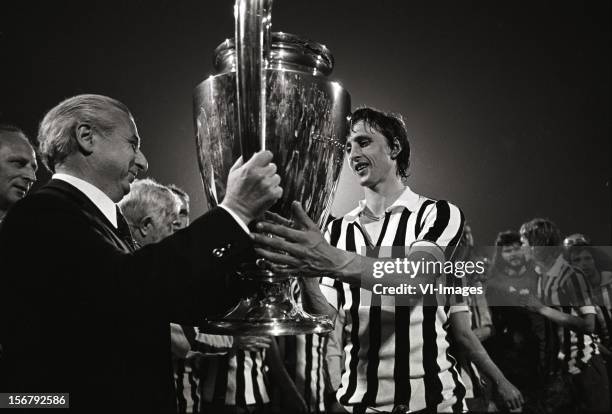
<point x="97" y="196"/>
<point x="408" y="199"/>
<point x="557" y="267"/>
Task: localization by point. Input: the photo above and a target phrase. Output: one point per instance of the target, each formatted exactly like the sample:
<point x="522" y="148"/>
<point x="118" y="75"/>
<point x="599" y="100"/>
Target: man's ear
<point x="396" y="148"/>
<point x="84" y="137"/>
<point x="145" y="226"/>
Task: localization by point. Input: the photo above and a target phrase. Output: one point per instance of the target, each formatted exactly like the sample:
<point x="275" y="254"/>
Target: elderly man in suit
<point x="89" y="315"/>
<point x="151" y="210"/>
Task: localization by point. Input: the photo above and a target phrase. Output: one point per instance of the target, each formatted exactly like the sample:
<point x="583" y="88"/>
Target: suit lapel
<point x="93" y="214"/>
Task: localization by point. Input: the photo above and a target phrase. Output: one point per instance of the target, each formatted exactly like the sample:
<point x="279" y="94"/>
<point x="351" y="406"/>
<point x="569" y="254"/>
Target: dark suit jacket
<point x="80" y="314"/>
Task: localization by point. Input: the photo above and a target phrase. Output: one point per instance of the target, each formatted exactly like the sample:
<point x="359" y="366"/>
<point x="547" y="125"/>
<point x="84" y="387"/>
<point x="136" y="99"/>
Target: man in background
<point x="151" y="211"/>
<point x="564" y="299"/>
<point x="518" y="346"/>
<point x="17" y="171"/>
<point x="184" y="209"/>
<point x="17" y="166"/>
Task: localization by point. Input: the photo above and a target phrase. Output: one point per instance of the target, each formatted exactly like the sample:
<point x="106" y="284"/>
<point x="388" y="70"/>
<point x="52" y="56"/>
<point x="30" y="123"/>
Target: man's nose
<point x="141" y="162"/>
<point x="355" y="152"/>
<point x="30" y="174"/>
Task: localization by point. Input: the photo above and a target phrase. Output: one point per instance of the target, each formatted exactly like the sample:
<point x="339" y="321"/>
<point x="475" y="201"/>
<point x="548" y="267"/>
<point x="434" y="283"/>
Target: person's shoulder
<point x="46" y="198"/>
<point x="43" y="204"/>
<point x="334" y="225"/>
<point x="571" y="274"/>
<point x="440" y="210"/>
<point x="430" y="203"/>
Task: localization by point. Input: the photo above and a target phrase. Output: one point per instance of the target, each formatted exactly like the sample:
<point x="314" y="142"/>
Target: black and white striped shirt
<point x="399" y="354"/>
<point x="602" y="297"/>
<point x="235" y="379"/>
<point x="305" y="364"/>
<point x="566" y="288"/>
<point x="305" y="360"/>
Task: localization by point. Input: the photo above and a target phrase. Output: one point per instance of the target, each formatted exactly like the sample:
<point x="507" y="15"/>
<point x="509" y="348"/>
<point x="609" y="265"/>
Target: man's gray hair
<point x="147" y="197"/>
<point x="57" y="131"/>
<point x="182" y="194"/>
<point x="9" y="128"/>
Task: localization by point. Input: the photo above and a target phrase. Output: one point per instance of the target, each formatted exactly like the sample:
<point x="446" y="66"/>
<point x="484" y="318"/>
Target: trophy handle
<point x="253" y="20"/>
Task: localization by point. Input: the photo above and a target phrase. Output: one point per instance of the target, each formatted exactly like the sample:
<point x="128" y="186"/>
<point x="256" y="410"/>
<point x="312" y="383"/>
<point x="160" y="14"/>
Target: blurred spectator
<point x="151" y="211"/>
<point x="17" y="166"/>
<point x="518" y="344"/>
<point x="592" y="261"/>
<point x="183" y="214"/>
<point x="579" y="379"/>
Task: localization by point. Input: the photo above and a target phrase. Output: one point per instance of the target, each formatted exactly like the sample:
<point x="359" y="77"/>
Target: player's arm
<point x="309" y="254"/>
<point x="460" y="326"/>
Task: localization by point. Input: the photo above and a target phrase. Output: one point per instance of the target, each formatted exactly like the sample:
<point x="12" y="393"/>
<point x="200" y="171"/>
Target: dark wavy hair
<point x="543" y="232"/>
<point x="504" y="238"/>
<point x="392" y="127"/>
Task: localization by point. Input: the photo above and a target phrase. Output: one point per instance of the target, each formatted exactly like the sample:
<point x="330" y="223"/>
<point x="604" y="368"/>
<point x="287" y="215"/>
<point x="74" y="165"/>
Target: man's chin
<point x="364" y="180"/>
<point x="126" y="187"/>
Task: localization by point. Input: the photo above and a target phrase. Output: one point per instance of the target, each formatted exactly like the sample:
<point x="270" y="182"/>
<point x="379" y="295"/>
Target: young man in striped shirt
<point x="598" y="273"/>
<point x="396" y="356"/>
<point x="564" y="298"/>
<point x="588" y="259"/>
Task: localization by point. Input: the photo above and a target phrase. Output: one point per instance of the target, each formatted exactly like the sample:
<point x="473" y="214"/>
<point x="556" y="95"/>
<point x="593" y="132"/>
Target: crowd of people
<point x="105" y="283"/>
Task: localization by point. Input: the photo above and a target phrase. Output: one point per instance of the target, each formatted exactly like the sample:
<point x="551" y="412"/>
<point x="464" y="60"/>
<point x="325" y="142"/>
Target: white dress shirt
<point x="97" y="196"/>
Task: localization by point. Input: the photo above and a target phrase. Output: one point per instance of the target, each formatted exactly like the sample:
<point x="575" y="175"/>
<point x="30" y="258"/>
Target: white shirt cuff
<point x="428" y="247"/>
<point x="458" y="308"/>
<point x="238" y="219"/>
<point x="585" y="310"/>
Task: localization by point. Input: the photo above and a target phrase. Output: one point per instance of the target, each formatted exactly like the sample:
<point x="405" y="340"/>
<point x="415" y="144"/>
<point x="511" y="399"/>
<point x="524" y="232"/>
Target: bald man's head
<point x="17" y="166"/>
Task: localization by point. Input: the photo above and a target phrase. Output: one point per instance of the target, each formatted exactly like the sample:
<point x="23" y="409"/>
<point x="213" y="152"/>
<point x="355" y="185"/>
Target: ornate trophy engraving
<point x="271" y="92"/>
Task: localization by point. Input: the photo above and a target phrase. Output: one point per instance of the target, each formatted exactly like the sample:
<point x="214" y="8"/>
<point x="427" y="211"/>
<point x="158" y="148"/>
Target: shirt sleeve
<point x="209" y="344"/>
<point x="575" y="291"/>
<point x="442" y="228"/>
<point x="440" y="232"/>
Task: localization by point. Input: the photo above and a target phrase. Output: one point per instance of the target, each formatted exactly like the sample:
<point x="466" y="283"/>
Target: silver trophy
<point x="271" y="92"/>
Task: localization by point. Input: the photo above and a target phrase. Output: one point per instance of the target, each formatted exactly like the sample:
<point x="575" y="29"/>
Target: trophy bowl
<point x="304" y="123"/>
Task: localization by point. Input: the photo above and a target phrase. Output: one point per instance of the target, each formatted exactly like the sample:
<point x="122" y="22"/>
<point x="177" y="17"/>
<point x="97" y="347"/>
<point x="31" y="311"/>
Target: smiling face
<point x="17" y="168"/>
<point x="369" y="156"/>
<point x="117" y="156"/>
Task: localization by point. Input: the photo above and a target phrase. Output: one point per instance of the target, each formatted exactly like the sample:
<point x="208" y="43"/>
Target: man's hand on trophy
<point x="252" y="187"/>
<point x="307" y="253"/>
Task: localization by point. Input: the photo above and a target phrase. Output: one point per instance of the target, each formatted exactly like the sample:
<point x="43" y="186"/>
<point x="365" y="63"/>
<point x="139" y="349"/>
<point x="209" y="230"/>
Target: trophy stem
<point x="252" y="36"/>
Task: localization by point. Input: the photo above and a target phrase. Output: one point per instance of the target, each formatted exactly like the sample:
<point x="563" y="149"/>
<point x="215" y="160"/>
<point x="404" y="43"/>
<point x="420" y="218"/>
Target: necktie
<point x="123" y="229"/>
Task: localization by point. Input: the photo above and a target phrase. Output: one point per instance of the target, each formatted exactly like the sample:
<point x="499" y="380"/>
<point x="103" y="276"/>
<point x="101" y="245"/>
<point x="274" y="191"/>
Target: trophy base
<point x="270" y="311"/>
<point x="317" y="325"/>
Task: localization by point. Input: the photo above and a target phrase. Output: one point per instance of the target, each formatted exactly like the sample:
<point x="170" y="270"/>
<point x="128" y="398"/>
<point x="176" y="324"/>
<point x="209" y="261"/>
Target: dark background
<point x="507" y="103"/>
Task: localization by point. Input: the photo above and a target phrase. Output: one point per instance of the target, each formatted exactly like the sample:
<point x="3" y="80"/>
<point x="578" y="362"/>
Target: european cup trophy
<point x="271" y="91"/>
